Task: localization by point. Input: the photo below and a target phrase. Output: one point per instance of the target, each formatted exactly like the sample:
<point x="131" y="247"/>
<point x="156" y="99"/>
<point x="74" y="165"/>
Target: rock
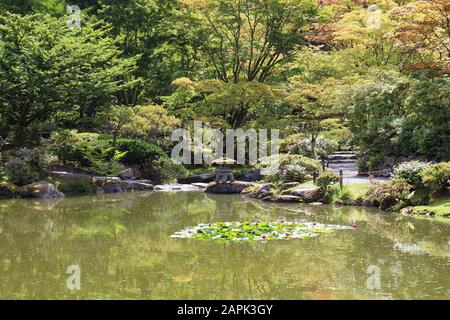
<point x="42" y="190"/>
<point x="407" y="211"/>
<point x="144" y="181"/>
<point x="100" y="181"/>
<point x="200" y="185"/>
<point x="127" y="175"/>
<point x="285" y="198"/>
<point x="8" y="190"/>
<point x="260" y="192"/>
<point x="177" y="188"/>
<point x="388" y="202"/>
<point x="135" y="186"/>
<point x="198" y="178"/>
<point x="288" y="185"/>
<point x="316" y="203"/>
<point x="250" y="176"/>
<point x="339" y="202"/>
<point x="301" y="192"/>
<point x="265" y="195"/>
<point x="315" y="195"/>
<point x="112" y="187"/>
<point x="228" y="188"/>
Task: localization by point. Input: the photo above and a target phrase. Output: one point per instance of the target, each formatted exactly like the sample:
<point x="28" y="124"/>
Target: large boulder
<point x="314" y="196"/>
<point x="135" y="186"/>
<point x="8" y="190"/>
<point x="289" y="185"/>
<point x="301" y="192"/>
<point x="198" y="178"/>
<point x="263" y="191"/>
<point x="286" y="198"/>
<point x="250" y="176"/>
<point x="178" y="188"/>
<point x="228" y="188"/>
<point x="110" y="187"/>
<point x="42" y="190"/>
<point x="128" y="174"/>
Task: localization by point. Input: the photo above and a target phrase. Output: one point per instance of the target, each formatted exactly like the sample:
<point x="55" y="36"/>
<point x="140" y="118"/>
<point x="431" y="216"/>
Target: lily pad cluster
<point x="257" y="231"/>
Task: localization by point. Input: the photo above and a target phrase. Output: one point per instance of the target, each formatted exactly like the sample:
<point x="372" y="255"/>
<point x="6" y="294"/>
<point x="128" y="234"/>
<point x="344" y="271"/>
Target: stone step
<point x="342" y="161"/>
<point x="344" y="152"/>
<point x="343" y="166"/>
<point x="341" y="156"/>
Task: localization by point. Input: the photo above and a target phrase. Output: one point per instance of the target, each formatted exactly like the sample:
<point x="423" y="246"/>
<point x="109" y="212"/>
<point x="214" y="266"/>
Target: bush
<point x="292" y="161"/>
<point x="27" y="166"/>
<point x="326" y="179"/>
<point x="437" y="177"/>
<point x="411" y="172"/>
<point x="295" y="173"/>
<point x="389" y="194"/>
<point x="323" y="147"/>
<point x="164" y="170"/>
<point x="138" y="151"/>
<point x="310" y="165"/>
<point x="69" y="145"/>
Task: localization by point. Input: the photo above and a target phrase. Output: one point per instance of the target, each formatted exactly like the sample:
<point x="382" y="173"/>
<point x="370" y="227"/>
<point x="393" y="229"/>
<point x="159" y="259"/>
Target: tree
<point x="244" y="40"/>
<point x="46" y="68"/>
<point x="54" y="7"/>
<point x="394" y="116"/>
<point x="423" y="34"/>
<point x="147" y="122"/>
<point x="144" y="28"/>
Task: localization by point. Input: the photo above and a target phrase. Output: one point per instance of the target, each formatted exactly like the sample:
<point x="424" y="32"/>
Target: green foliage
<point x="256" y="231"/>
<point x="147" y="122"/>
<point x="411" y="172"/>
<point x="390" y="194"/>
<point x="296" y="166"/>
<point x="76" y="186"/>
<point x="326" y="179"/>
<point x="393" y="116"/>
<point x="437" y="177"/>
<point x="69" y="145"/>
<point x="322" y="148"/>
<point x="295" y="173"/>
<point x="103" y="161"/>
<point x="56" y="72"/>
<point x="164" y="170"/>
<point x="26" y="166"/>
<point x="138" y="151"/>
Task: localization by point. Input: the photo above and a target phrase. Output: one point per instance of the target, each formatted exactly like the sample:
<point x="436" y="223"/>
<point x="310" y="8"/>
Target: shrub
<point x="293" y="161"/>
<point x="390" y="194"/>
<point x="323" y="147"/>
<point x="326" y="179"/>
<point x="138" y="151"/>
<point x="411" y="172"/>
<point x="69" y="145"/>
<point x="437" y="177"/>
<point x="295" y="173"/>
<point x="310" y="165"/>
<point x="27" y="166"/>
<point x="164" y="170"/>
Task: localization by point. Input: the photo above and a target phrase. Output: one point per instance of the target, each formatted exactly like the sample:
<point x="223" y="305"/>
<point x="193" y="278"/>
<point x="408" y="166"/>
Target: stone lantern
<point x="223" y="171"/>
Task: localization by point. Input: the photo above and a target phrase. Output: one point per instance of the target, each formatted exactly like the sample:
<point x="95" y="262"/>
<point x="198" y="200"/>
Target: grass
<point x="438" y="208"/>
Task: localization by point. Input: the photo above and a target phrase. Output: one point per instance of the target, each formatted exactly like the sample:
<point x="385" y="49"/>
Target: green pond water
<point x="122" y="246"/>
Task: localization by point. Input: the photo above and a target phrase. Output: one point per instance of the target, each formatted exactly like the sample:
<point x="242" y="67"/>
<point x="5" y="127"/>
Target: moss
<point x="438" y="208"/>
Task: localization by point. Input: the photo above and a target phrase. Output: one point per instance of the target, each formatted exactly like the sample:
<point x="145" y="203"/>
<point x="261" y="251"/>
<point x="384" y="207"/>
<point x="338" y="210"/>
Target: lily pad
<point x="257" y="231"/>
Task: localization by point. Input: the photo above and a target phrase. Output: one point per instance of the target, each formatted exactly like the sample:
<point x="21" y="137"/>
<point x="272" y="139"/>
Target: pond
<point x="122" y="247"/>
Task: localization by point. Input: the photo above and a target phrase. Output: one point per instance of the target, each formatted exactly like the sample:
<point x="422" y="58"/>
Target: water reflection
<point x="122" y="244"/>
